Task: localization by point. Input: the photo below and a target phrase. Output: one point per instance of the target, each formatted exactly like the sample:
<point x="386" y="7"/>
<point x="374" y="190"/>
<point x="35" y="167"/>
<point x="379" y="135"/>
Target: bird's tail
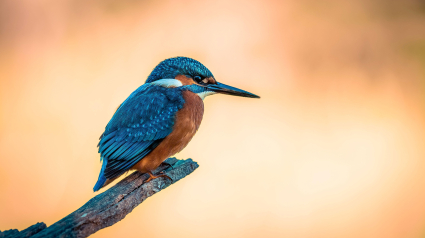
<point x="102" y="179"/>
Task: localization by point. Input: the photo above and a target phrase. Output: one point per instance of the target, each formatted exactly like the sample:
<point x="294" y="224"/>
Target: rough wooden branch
<point x="14" y="233"/>
<point x="110" y="206"/>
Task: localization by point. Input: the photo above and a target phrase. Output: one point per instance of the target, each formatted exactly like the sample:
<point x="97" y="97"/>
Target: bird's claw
<point x="161" y="174"/>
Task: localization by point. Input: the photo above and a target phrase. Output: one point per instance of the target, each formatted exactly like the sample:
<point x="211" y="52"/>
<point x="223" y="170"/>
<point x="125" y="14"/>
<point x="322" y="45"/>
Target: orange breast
<point x="188" y="120"/>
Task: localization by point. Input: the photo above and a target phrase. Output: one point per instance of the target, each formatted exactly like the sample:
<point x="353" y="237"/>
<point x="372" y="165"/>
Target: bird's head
<point x="191" y="74"/>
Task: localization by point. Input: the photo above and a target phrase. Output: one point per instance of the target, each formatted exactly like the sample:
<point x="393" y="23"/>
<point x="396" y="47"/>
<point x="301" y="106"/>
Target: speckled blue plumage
<point x="170" y="68"/>
<point x="145" y="118"/>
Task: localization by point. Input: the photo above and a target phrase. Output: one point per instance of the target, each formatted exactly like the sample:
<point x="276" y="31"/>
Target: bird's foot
<point x="161" y="174"/>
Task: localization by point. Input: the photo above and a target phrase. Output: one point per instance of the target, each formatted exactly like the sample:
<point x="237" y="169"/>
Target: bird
<point x="158" y="119"/>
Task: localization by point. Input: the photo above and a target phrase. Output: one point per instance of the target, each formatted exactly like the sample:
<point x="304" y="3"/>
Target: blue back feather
<point x="102" y="179"/>
<point x="145" y="118"/>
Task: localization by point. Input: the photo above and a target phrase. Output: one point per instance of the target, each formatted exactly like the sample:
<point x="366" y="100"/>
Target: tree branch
<point x="110" y="206"/>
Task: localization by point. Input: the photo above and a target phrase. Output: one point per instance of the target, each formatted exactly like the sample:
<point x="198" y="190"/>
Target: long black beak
<point x="229" y="90"/>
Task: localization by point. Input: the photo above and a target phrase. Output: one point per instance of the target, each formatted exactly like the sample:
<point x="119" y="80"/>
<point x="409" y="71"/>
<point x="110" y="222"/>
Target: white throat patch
<point x="168" y="83"/>
<point x="204" y="94"/>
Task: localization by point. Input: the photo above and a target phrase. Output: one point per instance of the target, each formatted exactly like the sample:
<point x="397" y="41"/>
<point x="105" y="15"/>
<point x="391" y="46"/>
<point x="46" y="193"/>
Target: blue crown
<point x="172" y="67"/>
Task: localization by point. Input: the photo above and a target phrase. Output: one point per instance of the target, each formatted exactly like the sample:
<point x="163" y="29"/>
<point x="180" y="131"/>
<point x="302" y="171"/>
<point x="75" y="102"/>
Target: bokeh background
<point x="334" y="148"/>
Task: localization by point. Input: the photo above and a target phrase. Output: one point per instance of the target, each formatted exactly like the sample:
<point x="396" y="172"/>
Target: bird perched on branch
<point x="158" y="119"/>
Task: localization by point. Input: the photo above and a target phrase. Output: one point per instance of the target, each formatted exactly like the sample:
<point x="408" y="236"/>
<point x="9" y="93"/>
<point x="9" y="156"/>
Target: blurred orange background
<point x="334" y="148"/>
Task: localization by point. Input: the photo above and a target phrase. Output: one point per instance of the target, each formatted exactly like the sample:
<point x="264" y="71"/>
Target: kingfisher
<point x="158" y="119"/>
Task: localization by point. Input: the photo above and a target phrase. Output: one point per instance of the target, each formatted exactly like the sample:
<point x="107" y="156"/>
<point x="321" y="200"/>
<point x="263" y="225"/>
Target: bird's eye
<point x="197" y="78"/>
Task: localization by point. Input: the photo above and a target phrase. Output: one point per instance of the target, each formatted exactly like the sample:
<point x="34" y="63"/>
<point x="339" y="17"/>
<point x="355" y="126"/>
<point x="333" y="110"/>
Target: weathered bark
<point x="14" y="233"/>
<point x="110" y="206"/>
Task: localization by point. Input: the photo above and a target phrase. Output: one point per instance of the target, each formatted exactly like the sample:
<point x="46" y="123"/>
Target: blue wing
<point x="142" y="121"/>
